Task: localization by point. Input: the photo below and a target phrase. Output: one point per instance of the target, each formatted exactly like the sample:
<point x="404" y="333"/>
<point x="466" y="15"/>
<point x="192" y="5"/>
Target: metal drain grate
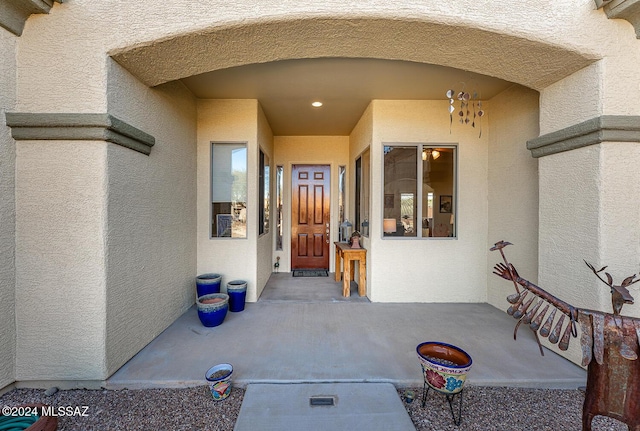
<point x="322" y="401"/>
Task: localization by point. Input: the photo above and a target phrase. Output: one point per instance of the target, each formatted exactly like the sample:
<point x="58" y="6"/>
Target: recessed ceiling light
<point x="316" y="104"/>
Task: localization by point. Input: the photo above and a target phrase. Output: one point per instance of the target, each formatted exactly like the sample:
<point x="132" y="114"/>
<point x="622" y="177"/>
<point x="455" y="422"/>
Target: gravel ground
<point x="506" y="409"/>
<point x="128" y="410"/>
<point x="484" y="408"/>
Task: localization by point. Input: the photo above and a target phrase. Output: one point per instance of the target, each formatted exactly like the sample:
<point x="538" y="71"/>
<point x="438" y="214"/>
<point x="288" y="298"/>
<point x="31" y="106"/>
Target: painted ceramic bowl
<point x="444" y="366"/>
<point x="219" y="379"/>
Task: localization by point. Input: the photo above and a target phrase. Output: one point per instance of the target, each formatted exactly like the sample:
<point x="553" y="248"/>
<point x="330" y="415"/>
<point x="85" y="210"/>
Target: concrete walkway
<point x="332" y="341"/>
<point x="354" y="406"/>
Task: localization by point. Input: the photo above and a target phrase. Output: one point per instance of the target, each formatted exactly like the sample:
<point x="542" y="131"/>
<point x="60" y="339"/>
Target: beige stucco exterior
<point x="151" y="256"/>
<point x="513" y="186"/>
<point x="7" y="211"/>
<point x="113" y="238"/>
<point x="426" y="264"/>
<point x="68" y="268"/>
<point x="236" y="121"/>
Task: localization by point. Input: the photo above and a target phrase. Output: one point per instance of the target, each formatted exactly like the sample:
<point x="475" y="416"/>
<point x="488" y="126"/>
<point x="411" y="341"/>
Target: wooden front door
<point x="310" y="216"/>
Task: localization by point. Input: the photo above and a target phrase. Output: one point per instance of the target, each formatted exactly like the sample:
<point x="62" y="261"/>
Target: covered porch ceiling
<point x="345" y="86"/>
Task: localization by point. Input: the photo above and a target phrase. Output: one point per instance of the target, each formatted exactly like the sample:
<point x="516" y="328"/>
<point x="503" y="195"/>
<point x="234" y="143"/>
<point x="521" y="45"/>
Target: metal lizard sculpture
<point x="609" y="341"/>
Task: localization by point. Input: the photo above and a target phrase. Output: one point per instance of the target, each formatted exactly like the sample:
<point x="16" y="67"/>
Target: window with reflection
<point x="228" y="190"/>
<point x="279" y="220"/>
<point x="264" y="184"/>
<point x="419" y="191"/>
<point x="363" y="168"/>
<point x="342" y="184"/>
<point x="400" y="188"/>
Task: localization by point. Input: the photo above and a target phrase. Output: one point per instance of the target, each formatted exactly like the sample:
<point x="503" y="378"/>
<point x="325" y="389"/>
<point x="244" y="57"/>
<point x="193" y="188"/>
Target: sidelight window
<point x="363" y="167"/>
<point x="228" y="190"/>
<point x="279" y="214"/>
<point x="263" y="194"/>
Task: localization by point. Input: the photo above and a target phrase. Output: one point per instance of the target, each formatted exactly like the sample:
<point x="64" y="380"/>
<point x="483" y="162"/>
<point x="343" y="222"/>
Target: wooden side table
<point x="347" y="256"/>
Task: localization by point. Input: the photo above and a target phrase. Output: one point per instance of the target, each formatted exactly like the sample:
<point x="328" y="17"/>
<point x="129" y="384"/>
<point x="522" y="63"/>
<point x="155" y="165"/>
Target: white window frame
<point x="242" y="144"/>
<point x="419" y="192"/>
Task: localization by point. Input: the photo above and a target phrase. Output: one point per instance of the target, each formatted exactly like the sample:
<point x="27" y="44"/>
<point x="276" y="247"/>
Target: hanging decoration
<point x="469" y="109"/>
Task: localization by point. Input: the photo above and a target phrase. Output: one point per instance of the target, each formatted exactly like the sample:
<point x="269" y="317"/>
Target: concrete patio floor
<point x="303" y="331"/>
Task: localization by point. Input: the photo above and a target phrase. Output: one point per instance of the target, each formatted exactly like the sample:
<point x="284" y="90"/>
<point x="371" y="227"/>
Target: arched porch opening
<point x="533" y="62"/>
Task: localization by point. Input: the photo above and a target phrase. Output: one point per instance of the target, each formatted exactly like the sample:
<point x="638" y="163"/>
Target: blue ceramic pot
<point x="207" y="284"/>
<point x="213" y="313"/>
<point x="237" y="291"/>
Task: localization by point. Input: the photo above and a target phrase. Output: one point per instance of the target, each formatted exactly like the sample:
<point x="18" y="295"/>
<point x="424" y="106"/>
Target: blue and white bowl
<point x="219" y="379"/>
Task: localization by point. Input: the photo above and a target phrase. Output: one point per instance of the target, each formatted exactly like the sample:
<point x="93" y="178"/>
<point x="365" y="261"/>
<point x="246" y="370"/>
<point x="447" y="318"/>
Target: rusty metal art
<point x="609" y="341"/>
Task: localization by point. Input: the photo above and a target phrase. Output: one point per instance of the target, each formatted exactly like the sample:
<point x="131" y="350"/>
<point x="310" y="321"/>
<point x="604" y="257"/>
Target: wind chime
<point x="469" y="109"/>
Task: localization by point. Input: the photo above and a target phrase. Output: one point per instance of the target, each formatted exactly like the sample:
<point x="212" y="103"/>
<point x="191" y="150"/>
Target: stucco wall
<point x="588" y="197"/>
<point x="572" y="100"/>
<point x="620" y="242"/>
<point x="60" y="260"/>
<point x="433" y="270"/>
<point x="151" y="216"/>
<point x="74" y="58"/>
<point x="513" y="33"/>
<point x="569" y="221"/>
<point x="233" y="258"/>
<point x="513" y="188"/>
<point x="360" y="139"/>
<point x="320" y="150"/>
<point x="265" y="241"/>
<point x="532" y="42"/>
<point x="7" y="211"/>
<point x="585" y="214"/>
<point x="589" y="210"/>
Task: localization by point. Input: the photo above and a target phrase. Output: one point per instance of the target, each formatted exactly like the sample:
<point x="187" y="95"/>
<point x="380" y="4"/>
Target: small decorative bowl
<point x="409" y="396"/>
<point x="444" y="366"/>
<point x="219" y="379"/>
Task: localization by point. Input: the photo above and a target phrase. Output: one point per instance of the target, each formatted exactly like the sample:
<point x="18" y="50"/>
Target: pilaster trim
<point x="623" y="9"/>
<point x="14" y="13"/>
<point x="26" y="126"/>
<point x="606" y="128"/>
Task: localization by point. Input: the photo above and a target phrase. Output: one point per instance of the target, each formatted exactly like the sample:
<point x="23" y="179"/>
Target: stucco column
<point x="7" y="212"/>
<point x="60" y="260"/>
<point x="589" y="208"/>
<point x="62" y="251"/>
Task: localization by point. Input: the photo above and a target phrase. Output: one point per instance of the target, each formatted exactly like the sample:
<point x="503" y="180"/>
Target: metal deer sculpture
<point x="610" y="342"/>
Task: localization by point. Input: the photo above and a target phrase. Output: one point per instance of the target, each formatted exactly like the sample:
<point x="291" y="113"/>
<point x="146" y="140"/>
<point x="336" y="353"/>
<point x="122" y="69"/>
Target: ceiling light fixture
<point x="316" y="104"/>
<point x="428" y="153"/>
